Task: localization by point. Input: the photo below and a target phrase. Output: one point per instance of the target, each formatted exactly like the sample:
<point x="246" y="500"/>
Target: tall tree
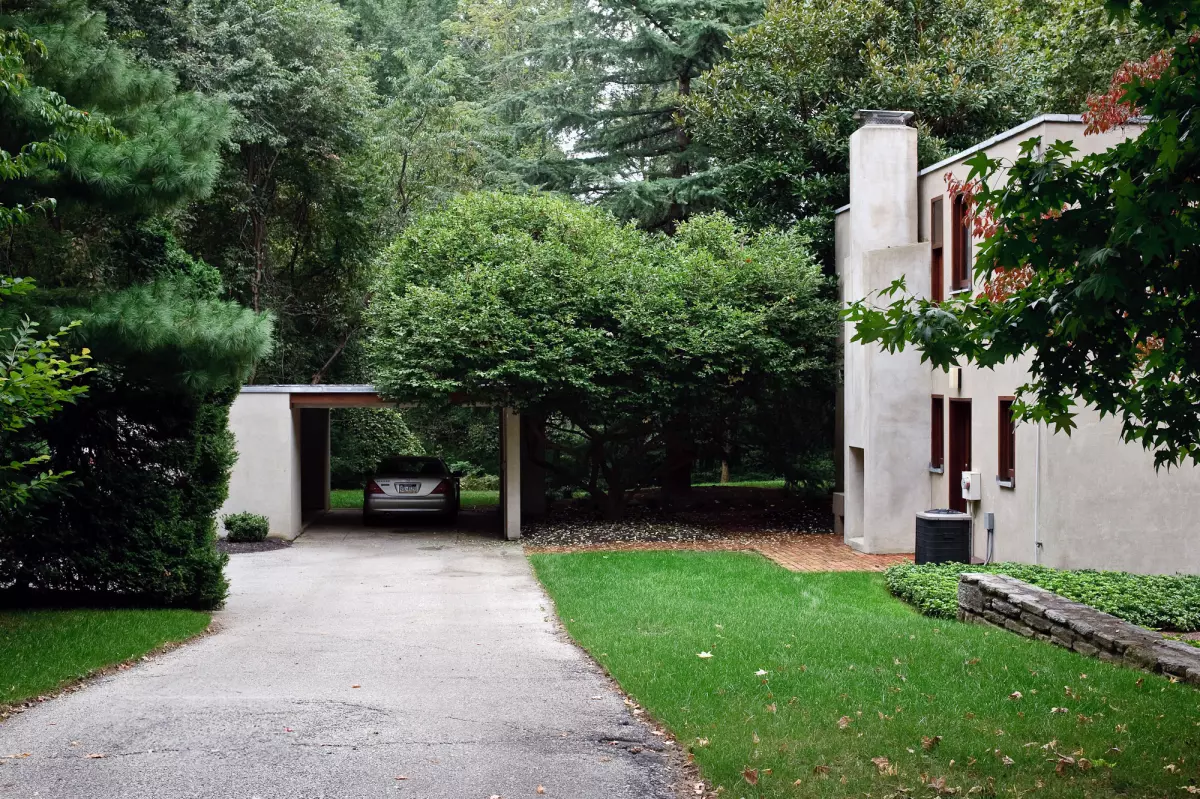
<point x="613" y="75"/>
<point x="148" y="446"/>
<point x="778" y="113"/>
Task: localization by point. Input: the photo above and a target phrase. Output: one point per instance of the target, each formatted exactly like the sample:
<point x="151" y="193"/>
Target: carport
<point x="282" y="470"/>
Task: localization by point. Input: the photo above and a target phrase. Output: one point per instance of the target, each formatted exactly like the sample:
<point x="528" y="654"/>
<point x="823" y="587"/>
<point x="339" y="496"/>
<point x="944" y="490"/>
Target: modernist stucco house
<point x="907" y="432"/>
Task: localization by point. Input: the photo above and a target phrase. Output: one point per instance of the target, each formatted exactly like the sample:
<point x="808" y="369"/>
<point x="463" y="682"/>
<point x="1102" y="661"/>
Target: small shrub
<point x="246" y="527"/>
<point x="1165" y="602"/>
<point x="481" y="482"/>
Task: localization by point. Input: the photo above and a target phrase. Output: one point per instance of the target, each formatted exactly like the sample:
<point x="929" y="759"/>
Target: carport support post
<point x="510" y="473"/>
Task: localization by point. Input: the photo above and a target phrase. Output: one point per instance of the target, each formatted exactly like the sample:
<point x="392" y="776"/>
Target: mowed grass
<point x="353" y="497"/>
<point x="854" y="676"/>
<point x="41" y="650"/>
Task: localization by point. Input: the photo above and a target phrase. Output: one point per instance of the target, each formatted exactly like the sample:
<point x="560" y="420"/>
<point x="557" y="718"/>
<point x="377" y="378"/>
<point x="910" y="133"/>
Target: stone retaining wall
<point x="1037" y="613"/>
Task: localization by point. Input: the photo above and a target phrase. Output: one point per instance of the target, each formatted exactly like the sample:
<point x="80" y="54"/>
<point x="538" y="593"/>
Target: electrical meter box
<point x="972" y="486"/>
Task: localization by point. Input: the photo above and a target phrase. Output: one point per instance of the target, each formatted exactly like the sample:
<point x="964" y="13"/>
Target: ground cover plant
<point x="784" y="684"/>
<point x="1170" y="602"/>
<point x="42" y="650"/>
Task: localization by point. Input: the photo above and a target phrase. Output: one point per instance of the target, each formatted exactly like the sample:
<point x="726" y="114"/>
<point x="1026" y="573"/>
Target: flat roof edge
<point x="304" y="388"/>
<point x="999" y="137"/>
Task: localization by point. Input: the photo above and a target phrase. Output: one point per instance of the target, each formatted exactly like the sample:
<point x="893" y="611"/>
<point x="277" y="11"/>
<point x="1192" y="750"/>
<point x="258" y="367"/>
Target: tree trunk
<point x="724" y="471"/>
<point x="680" y="455"/>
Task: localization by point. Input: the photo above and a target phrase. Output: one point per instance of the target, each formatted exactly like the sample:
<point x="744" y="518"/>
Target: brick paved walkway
<point x="800" y="552"/>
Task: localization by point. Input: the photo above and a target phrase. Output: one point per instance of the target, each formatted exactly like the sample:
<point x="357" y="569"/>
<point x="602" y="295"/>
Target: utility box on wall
<point x="972" y="486"/>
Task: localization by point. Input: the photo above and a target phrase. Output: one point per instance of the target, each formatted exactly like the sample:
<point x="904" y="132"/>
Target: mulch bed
<point x="243" y="547"/>
<point x="716" y="514"/>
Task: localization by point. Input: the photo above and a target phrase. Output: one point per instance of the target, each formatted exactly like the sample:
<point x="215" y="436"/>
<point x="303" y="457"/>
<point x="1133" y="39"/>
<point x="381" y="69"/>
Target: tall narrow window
<point x="937" y="419"/>
<point x="936" y="253"/>
<point x="1006" y="468"/>
<point x="962" y="255"/>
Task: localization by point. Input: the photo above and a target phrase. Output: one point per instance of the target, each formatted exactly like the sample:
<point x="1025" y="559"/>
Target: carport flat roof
<point x="306" y="388"/>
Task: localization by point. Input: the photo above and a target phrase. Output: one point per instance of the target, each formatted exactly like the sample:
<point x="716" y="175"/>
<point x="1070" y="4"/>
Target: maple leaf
<point x="540" y="789"/>
<point x="1006" y="760"/>
<point x="1063" y="763"/>
<point x="1016" y="696"/>
<point x="843" y="722"/>
<point x="820" y="769"/>
<point x="701" y="742"/>
<point x="704" y="654"/>
<point x="761" y="673"/>
<point x="884" y="765"/>
<point x="1059" y="710"/>
<point x="930" y="743"/>
<point x="750" y="775"/>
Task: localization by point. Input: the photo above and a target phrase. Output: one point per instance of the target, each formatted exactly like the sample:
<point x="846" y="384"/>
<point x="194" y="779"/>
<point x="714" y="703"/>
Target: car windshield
<point x="398" y="465"/>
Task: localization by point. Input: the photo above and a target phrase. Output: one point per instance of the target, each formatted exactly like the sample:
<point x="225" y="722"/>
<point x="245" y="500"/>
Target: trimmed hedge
<point x="1161" y="602"/>
<point x="246" y="527"/>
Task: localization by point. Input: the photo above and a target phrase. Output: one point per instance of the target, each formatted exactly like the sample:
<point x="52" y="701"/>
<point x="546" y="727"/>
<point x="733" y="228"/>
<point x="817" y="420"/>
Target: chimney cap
<point x="870" y="116"/>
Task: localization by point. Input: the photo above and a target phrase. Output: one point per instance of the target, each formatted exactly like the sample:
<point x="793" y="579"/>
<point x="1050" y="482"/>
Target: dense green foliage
<point x="612" y="76"/>
<point x="362" y="437"/>
<point x="147" y="448"/>
<point x="36" y="380"/>
<point x="42" y="651"/>
<point x="823" y="685"/>
<point x="1158" y="601"/>
<point x="1091" y="267"/>
<point x="245" y="527"/>
<point x="608" y="332"/>
<point x="778" y="113"/>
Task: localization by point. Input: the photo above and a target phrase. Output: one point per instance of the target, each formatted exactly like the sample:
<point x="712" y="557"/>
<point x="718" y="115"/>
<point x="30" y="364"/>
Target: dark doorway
<point x="960" y="450"/>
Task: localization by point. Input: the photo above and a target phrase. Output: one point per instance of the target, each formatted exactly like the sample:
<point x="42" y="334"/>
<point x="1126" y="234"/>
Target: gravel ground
<point x="242" y="547"/>
<point x="715" y="514"/>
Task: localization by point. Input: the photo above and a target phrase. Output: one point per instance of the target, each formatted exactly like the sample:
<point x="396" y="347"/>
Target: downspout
<point x="1037" y="495"/>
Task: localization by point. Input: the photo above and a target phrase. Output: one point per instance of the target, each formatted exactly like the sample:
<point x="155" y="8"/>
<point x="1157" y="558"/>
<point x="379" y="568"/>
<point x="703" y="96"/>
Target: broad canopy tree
<point x="1089" y="265"/>
<point x="610" y="333"/>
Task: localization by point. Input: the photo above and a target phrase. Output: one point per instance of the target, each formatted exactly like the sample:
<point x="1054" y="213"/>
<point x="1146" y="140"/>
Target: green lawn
<point x="352" y="498"/>
<point x="43" y="649"/>
<point x="853" y="675"/>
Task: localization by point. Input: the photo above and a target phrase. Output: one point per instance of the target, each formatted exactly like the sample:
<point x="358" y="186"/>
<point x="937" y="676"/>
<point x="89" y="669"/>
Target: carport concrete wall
<point x="266" y="477"/>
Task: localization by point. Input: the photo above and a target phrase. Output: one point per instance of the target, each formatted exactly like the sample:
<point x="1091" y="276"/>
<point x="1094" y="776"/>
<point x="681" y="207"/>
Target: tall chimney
<point x="883" y="181"/>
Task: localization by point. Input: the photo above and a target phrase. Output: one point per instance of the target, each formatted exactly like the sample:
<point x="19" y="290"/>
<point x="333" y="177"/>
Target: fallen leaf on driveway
<point x="704" y="654"/>
<point x="540" y="789"/>
<point x="402" y="777"/>
<point x="95" y="756"/>
<point x="698" y="789"/>
<point x="16" y="757"/>
<point x="356" y="686"/>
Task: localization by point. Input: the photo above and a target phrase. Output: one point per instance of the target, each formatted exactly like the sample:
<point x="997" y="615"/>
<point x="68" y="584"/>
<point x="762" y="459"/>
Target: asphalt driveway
<point x="342" y="664"/>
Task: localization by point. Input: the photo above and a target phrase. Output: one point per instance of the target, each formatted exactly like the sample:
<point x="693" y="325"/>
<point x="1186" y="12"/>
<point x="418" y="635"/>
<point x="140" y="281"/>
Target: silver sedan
<point x="405" y="484"/>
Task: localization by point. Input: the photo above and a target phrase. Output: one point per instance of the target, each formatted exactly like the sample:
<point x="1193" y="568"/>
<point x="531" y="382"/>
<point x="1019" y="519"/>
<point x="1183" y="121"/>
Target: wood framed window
<point x="937" y="285"/>
<point x="937" y="432"/>
<point x="1006" y="449"/>
<point x="962" y="256"/>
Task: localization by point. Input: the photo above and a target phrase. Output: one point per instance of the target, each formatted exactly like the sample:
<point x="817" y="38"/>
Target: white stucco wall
<point x="1087" y="500"/>
<point x="266" y="477"/>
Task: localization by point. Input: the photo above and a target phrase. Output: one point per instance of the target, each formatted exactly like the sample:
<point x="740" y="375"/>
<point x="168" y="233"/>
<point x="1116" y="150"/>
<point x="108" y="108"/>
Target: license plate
<point x="407" y="488"/>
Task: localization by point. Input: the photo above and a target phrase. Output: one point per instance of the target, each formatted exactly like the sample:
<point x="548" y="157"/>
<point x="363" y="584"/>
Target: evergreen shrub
<point x="246" y="527"/>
